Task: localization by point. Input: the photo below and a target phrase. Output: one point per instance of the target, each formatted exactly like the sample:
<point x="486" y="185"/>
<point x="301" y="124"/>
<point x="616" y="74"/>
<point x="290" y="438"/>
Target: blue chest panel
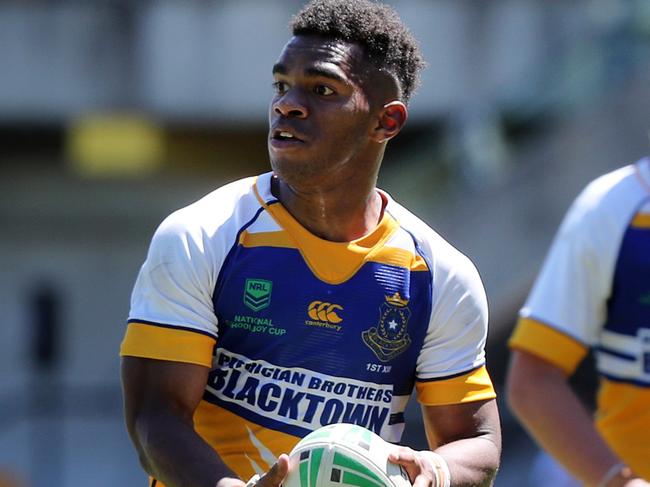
<point x="628" y="308"/>
<point x="370" y="328"/>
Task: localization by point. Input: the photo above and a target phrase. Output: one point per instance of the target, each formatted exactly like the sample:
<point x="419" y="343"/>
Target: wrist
<point x="440" y="468"/>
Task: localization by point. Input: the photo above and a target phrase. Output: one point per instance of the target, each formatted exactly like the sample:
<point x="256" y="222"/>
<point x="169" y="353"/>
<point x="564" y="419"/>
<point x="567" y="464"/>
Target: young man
<point x="306" y="296"/>
<point x="593" y="292"/>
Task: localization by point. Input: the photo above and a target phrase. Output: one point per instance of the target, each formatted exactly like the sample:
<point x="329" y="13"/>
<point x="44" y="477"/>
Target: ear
<point x="392" y="118"/>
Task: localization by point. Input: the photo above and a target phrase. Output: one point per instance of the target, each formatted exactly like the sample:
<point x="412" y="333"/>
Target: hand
<point x="417" y="466"/>
<point x="636" y="483"/>
<point x="276" y="474"/>
<point x="273" y="478"/>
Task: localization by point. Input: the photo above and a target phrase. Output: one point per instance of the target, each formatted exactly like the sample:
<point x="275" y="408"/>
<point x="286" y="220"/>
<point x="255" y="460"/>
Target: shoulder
<point x="218" y="215"/>
<point x="440" y="255"/>
<point x="612" y="195"/>
<point x="215" y="208"/>
<point x="452" y="271"/>
<point x="604" y="208"/>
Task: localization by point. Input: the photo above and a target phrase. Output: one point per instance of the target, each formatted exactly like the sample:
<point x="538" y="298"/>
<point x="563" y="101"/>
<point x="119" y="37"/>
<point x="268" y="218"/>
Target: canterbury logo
<point x="319" y="310"/>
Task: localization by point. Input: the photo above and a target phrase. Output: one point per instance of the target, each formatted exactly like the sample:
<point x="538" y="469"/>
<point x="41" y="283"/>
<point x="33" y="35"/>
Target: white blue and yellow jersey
<point x="300" y="332"/>
<point x="594" y="292"/>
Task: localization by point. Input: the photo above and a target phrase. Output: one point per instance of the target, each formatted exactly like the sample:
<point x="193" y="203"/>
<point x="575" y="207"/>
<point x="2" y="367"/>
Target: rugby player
<point x="306" y="296"/>
<point x="593" y="293"/>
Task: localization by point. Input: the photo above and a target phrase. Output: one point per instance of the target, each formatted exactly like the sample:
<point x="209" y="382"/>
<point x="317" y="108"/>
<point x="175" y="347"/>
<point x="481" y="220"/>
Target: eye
<point x="280" y="87"/>
<point x="323" y="90"/>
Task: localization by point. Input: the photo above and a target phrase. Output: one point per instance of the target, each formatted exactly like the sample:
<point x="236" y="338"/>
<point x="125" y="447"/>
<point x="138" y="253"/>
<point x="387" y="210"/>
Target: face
<point x="321" y="118"/>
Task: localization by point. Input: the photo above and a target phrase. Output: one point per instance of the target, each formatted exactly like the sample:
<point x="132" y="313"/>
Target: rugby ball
<point x="343" y="455"/>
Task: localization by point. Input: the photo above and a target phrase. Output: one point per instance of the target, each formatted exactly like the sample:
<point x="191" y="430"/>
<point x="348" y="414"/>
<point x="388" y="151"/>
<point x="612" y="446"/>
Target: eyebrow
<point x="314" y="71"/>
<point x="279" y="68"/>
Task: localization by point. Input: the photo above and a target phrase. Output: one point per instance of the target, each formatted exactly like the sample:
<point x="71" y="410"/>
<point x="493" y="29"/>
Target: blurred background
<point x="113" y="113"/>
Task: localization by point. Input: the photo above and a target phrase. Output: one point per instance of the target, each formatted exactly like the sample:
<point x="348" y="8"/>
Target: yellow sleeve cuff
<point x="162" y="343"/>
<point x="473" y="386"/>
<point x="549" y="344"/>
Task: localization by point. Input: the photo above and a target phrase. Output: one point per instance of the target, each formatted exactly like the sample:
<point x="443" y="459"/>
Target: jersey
<point x="594" y="292"/>
<point x="300" y="332"/>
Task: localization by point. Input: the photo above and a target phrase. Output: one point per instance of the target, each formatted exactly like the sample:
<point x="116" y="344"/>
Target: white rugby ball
<point x="343" y="455"/>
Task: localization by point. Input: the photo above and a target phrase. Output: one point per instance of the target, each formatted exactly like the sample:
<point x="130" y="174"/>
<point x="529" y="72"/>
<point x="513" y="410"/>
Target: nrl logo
<point x="389" y="338"/>
<point x="257" y="293"/>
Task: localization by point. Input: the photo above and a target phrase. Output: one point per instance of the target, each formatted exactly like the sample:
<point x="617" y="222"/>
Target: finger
<point x="407" y="459"/>
<point x="276" y="474"/>
<point x="282" y="466"/>
<point x="401" y="455"/>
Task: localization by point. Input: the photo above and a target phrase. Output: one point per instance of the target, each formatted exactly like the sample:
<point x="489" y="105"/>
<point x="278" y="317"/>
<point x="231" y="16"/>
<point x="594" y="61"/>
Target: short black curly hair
<point x="387" y="41"/>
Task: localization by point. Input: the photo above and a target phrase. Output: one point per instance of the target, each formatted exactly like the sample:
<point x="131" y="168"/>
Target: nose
<point x="290" y="105"/>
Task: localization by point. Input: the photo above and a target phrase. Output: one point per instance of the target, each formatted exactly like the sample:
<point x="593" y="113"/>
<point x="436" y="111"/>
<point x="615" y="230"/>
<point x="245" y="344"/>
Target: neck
<point x="340" y="213"/>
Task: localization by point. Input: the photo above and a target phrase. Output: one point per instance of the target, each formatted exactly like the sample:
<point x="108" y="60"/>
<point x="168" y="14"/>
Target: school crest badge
<point x="390" y="337"/>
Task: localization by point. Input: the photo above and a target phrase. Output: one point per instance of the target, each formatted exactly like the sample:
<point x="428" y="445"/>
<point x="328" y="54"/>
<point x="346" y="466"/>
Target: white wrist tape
<point x="440" y="469"/>
<point x="253" y="480"/>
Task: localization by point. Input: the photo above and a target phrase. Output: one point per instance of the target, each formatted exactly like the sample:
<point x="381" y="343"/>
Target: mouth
<point x="283" y="137"/>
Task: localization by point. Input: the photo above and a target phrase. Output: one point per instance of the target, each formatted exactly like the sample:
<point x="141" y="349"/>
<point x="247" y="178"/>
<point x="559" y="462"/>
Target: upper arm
<point x="452" y="422"/>
<point x="172" y="320"/>
<point x="566" y="306"/>
<point x="153" y="387"/>
<point x="175" y="284"/>
<point x="526" y="374"/>
<point x="571" y="291"/>
<point x="455" y="340"/>
<point x="451" y="364"/>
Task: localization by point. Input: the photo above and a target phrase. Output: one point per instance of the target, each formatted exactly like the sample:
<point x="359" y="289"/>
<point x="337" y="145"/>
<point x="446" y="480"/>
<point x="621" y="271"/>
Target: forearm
<point x="468" y="437"/>
<point x="171" y="451"/>
<point x="472" y="461"/>
<point x="561" y="425"/>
